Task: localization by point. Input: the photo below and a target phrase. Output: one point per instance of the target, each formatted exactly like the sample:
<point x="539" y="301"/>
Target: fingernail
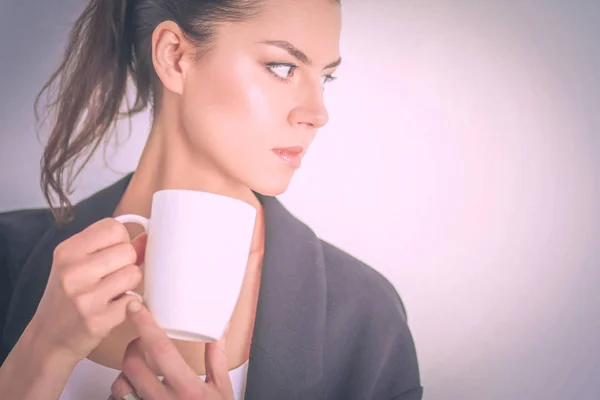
<point x="139" y="296"/>
<point x="131" y="396"/>
<point x="134" y="306"/>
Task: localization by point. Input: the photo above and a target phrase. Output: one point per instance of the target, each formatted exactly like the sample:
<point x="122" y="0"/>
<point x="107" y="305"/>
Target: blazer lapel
<point x="286" y="355"/>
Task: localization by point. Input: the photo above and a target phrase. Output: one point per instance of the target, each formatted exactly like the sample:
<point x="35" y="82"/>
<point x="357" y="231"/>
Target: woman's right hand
<point x="84" y="300"/>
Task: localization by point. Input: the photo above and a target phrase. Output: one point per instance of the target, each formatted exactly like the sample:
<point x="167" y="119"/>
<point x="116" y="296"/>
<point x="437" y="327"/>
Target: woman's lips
<point x="290" y="155"/>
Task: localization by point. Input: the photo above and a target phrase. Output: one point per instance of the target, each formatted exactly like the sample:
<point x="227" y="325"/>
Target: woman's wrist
<point x="36" y="341"/>
<point x="35" y="369"/>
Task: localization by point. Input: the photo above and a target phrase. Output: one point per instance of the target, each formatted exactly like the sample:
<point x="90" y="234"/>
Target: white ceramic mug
<point x="195" y="262"/>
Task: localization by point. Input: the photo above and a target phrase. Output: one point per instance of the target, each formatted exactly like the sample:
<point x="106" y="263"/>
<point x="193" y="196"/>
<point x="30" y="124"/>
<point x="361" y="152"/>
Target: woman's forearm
<point x="33" y="370"/>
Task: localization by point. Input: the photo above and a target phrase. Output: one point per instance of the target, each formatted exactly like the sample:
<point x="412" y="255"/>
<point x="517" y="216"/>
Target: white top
<point x="91" y="381"/>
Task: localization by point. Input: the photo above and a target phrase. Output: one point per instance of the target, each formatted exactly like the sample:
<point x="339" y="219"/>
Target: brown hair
<point x="109" y="44"/>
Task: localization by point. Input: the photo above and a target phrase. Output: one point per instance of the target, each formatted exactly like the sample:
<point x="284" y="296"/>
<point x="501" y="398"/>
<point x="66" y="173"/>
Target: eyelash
<point x="271" y="65"/>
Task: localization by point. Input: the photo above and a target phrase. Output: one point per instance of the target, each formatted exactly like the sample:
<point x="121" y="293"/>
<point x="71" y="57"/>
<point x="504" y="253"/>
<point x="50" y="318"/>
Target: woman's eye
<point x="282" y="71"/>
<point x="328" y="78"/>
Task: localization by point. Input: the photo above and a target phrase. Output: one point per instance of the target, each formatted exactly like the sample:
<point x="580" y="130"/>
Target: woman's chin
<point x="274" y="187"/>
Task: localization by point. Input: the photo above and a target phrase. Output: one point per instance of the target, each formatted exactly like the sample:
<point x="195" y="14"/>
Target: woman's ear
<point x="171" y="55"/>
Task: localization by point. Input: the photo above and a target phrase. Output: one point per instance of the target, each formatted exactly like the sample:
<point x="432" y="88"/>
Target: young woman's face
<point x="253" y="105"/>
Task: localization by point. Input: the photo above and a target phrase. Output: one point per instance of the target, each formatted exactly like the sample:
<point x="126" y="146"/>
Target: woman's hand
<point x="180" y="381"/>
<point x="83" y="300"/>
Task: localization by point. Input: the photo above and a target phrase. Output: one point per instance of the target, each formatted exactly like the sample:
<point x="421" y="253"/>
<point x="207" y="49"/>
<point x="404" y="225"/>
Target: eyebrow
<point x="298" y="54"/>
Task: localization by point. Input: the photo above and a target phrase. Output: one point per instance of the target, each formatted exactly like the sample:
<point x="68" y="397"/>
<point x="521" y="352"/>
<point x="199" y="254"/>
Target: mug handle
<point x="134" y="219"/>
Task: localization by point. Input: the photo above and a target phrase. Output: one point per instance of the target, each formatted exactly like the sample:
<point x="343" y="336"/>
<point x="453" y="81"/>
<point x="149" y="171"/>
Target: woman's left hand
<point x="180" y="382"/>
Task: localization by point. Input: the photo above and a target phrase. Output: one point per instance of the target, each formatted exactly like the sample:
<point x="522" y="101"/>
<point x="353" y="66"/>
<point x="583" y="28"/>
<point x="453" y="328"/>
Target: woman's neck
<point x="168" y="163"/>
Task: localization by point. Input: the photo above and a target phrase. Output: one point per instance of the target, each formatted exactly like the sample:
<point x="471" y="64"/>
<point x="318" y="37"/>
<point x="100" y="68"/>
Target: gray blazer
<point x="327" y="325"/>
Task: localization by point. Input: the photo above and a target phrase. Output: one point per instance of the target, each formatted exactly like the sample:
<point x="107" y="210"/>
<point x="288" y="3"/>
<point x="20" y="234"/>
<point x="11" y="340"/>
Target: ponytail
<point x="85" y="95"/>
<point x="110" y="43"/>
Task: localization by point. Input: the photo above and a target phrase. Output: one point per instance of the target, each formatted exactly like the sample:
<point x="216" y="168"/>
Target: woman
<point x="235" y="88"/>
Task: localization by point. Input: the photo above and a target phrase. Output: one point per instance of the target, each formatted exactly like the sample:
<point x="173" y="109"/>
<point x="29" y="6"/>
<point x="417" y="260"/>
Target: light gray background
<point x="462" y="160"/>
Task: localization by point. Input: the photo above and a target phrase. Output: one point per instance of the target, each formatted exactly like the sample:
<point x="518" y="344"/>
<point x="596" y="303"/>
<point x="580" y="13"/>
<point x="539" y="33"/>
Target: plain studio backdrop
<point x="462" y="160"/>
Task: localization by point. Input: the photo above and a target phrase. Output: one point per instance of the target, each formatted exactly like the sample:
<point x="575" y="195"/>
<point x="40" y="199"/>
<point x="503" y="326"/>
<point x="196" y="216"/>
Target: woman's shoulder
<point x="364" y="305"/>
<point x="349" y="276"/>
<point x="20" y="230"/>
<point x="25" y="219"/>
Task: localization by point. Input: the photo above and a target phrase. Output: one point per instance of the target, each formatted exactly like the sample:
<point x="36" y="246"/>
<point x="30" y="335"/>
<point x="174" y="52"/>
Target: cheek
<point x="238" y="103"/>
<point x="234" y="118"/>
<point x="251" y="99"/>
<point x="259" y="103"/>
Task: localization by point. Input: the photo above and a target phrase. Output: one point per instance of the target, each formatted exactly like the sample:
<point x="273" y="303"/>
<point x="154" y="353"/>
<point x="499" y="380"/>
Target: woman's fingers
<point x="108" y="260"/>
<point x="104" y="262"/>
<point x="180" y="381"/>
<point x="139" y="244"/>
<point x="100" y="235"/>
<point x="142" y="378"/>
<point x="161" y="350"/>
<point x="119" y="282"/>
<point x="121" y="388"/>
<point x="217" y="366"/>
<point x="116" y="313"/>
